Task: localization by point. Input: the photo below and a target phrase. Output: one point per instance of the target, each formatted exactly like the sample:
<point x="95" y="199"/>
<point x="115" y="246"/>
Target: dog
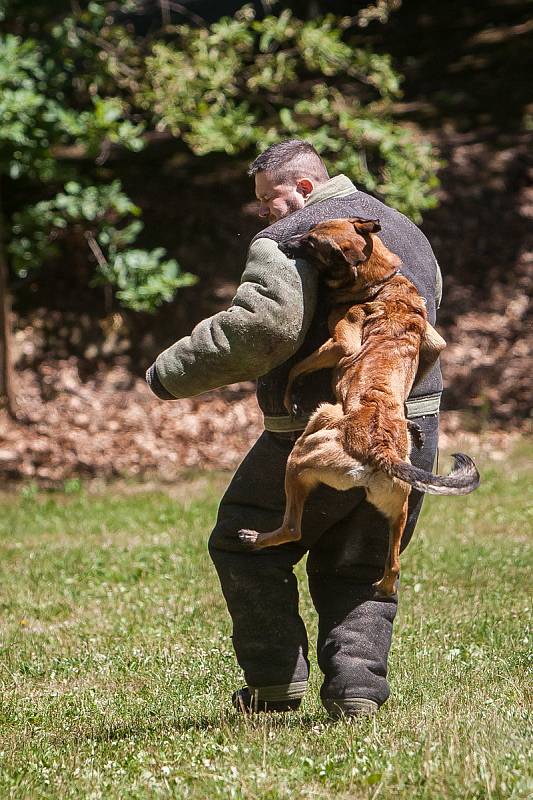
<point x="381" y="344"/>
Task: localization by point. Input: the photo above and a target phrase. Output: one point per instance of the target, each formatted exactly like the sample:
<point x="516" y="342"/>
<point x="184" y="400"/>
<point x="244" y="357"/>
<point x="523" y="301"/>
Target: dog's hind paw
<point x="384" y="588"/>
<point x="248" y="538"/>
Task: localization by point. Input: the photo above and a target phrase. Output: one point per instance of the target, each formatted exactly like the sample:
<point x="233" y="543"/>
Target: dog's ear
<point x="356" y="252"/>
<point x="365" y="225"/>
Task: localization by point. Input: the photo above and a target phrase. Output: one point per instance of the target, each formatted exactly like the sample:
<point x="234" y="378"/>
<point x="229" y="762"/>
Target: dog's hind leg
<point x="317" y="457"/>
<point x="394" y="505"/>
<point x="298" y="485"/>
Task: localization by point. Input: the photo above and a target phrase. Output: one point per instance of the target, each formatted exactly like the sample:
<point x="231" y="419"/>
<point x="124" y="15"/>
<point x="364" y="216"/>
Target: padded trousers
<point x="346" y="539"/>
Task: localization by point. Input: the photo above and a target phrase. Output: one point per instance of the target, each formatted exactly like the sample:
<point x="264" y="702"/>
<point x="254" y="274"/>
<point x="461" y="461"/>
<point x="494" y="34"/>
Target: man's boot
<point x="248" y="702"/>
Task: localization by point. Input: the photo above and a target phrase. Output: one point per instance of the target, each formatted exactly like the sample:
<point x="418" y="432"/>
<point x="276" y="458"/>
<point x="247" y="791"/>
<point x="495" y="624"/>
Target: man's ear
<point x="365" y="225"/>
<point x="305" y="187"/>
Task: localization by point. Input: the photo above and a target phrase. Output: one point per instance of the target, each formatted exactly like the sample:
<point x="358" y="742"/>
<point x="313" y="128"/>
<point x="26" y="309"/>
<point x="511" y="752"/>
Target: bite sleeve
<point x="265" y="324"/>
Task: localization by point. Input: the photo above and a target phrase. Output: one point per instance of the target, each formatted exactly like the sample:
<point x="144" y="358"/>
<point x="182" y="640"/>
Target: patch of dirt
<point x="112" y="427"/>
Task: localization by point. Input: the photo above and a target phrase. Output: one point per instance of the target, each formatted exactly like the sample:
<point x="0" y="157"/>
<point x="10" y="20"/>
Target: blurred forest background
<point x="125" y="210"/>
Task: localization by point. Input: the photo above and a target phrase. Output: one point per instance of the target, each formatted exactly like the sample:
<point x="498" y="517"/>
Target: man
<point x="277" y="317"/>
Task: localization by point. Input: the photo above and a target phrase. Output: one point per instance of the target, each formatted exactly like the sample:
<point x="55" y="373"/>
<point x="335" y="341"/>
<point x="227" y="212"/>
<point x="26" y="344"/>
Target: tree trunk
<point x="7" y="392"/>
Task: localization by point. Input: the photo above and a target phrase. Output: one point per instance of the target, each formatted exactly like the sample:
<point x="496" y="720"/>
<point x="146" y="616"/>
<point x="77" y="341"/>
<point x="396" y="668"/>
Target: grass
<point x="116" y="662"/>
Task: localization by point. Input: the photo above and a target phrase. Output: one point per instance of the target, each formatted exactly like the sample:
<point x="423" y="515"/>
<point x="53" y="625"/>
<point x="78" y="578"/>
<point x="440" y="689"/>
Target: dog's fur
<point x="381" y="344"/>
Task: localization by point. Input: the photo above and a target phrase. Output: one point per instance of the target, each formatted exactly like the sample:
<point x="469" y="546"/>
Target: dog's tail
<point x="463" y="478"/>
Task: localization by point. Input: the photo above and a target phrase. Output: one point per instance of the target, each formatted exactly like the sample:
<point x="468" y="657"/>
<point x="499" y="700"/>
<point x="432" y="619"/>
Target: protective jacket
<point x="279" y="315"/>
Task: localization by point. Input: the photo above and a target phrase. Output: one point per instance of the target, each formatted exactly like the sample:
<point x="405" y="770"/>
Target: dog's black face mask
<point x="325" y="253"/>
<point x="327" y="243"/>
<point x="293" y="247"/>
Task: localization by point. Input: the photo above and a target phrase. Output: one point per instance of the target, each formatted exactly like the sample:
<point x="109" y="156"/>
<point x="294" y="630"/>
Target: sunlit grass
<point x="116" y="663"/>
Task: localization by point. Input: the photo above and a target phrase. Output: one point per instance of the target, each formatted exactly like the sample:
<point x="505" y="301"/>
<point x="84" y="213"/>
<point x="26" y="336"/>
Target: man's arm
<point x="265" y="324"/>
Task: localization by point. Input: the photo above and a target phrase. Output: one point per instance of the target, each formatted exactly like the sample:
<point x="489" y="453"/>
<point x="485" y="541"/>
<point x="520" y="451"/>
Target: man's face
<point x="278" y="200"/>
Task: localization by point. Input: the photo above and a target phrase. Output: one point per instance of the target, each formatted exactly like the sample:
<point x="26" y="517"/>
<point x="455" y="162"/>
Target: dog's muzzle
<point x="290" y="247"/>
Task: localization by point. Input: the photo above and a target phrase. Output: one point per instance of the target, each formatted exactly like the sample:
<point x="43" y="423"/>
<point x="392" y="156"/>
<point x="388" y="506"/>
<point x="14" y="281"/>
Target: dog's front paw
<point x="417" y="434"/>
<point x="248" y="538"/>
<point x="287" y="402"/>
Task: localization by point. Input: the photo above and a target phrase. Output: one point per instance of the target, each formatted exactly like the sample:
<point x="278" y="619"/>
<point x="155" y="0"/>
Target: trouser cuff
<point x="349" y="706"/>
<point x="283" y="691"/>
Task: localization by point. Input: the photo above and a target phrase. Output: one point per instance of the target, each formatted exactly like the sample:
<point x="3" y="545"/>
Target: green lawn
<point x="116" y="663"/>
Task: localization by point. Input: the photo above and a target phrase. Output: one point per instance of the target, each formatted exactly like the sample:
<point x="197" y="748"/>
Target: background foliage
<point x="246" y="83"/>
<point x="79" y="82"/>
<point x="48" y="113"/>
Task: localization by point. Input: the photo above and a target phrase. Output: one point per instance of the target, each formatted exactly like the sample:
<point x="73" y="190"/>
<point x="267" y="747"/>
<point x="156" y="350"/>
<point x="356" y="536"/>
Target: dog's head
<point x="337" y="247"/>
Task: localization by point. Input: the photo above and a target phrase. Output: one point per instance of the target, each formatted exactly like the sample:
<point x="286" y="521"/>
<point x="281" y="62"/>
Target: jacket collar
<point x="339" y="186"/>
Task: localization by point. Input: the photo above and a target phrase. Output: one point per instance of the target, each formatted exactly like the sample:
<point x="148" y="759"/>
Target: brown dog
<point x="381" y="343"/>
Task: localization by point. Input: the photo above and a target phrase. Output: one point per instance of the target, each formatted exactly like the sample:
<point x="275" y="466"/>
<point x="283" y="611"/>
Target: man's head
<point x="285" y="176"/>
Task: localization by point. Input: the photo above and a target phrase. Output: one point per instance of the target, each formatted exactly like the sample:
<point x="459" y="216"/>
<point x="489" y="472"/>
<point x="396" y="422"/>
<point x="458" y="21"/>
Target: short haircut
<point x="290" y="159"/>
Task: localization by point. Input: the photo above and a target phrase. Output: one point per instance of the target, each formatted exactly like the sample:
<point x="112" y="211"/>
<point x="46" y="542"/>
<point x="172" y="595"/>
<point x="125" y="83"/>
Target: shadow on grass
<point x="221" y="721"/>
